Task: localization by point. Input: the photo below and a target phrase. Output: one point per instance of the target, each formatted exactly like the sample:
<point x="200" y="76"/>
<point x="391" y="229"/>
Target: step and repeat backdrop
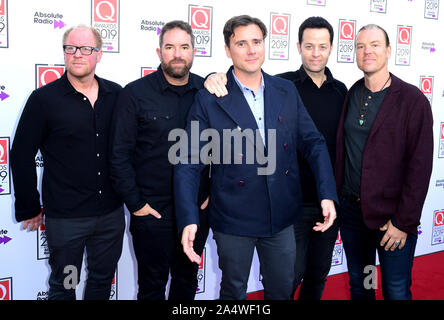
<point x="31" y="56"/>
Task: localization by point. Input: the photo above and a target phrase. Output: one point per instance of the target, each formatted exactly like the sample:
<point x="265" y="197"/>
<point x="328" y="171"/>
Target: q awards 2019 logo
<point x="4" y="30"/>
<point x="438" y="227"/>
<point x="403" y="45"/>
<point x="113" y="292"/>
<point x="379" y="6"/>
<point x="431" y="9"/>
<point x="426" y="86"/>
<point x="42" y="243"/>
<point x="346" y="41"/>
<point x="201" y="21"/>
<point x="144" y="71"/>
<point x="201" y="273"/>
<point x="441" y="141"/>
<point x="106" y="20"/>
<point x="280" y="36"/>
<point x="338" y="251"/>
<point x="46" y="73"/>
<point x="6" y="288"/>
<point x="5" y="174"/>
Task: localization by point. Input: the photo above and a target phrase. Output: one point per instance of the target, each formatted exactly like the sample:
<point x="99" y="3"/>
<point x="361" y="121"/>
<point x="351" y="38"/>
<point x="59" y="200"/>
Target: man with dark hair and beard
<point x="146" y="111"/>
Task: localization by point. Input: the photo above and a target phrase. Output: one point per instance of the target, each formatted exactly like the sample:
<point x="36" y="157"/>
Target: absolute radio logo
<point x="431" y="9"/>
<point x="338" y="251"/>
<point x="150" y="25"/>
<point x="438" y="227"/>
<point x="403" y="45"/>
<point x="106" y="19"/>
<point x="280" y="36"/>
<point x="441" y="141"/>
<point x="144" y="71"/>
<point x="201" y="273"/>
<point x="3" y="94"/>
<point x="42" y="243"/>
<point x="4" y="30"/>
<point x="42" y="295"/>
<point x="379" y="6"/>
<point x="46" y="73"/>
<point x="49" y="18"/>
<point x="5" y="173"/>
<point x="201" y="20"/>
<point x="6" y="288"/>
<point x="426" y="87"/>
<point x="346" y="41"/>
<point x="4" y="239"/>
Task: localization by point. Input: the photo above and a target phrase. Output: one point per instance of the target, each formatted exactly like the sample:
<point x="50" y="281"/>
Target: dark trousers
<point x="314" y="253"/>
<point x="360" y="246"/>
<point x="159" y="252"/>
<point x="276" y="257"/>
<point x="101" y="236"/>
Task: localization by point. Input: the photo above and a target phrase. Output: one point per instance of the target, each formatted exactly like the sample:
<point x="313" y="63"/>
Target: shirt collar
<point x="242" y="87"/>
<point x="67" y="87"/>
<point x="304" y="76"/>
<point x="164" y="84"/>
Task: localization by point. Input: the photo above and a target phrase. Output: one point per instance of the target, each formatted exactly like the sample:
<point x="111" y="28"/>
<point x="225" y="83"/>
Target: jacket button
<point x="280" y="119"/>
<point x="287" y="172"/>
<point x="285" y="146"/>
<point x="241" y="183"/>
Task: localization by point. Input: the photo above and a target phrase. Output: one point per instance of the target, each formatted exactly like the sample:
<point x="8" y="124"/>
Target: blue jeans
<point x="360" y="246"/>
<point x="276" y="257"/>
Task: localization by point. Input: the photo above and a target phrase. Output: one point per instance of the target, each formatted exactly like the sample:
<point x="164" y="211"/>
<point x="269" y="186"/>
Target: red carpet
<point x="427" y="281"/>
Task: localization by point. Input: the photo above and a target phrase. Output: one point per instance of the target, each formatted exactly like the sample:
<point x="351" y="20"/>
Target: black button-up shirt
<point x="324" y="105"/>
<point x="147" y="110"/>
<point x="73" y="138"/>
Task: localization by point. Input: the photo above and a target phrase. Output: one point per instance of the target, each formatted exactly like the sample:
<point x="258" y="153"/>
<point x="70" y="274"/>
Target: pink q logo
<point x="200" y="18"/>
<point x="404" y="34"/>
<point x="347" y="30"/>
<point x="426" y="85"/>
<point x="47" y="74"/>
<point x="146" y="72"/>
<point x="5" y="288"/>
<point x="279" y="25"/>
<point x="105" y="11"/>
<point x="3" y="148"/>
<point x="439" y="218"/>
<point x="2" y="7"/>
<point x="442" y="130"/>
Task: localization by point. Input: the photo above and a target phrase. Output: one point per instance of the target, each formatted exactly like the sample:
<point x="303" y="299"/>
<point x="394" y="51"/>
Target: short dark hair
<point x="176" y="24"/>
<point x="375" y="26"/>
<point x="241" y="21"/>
<point x="315" y="23"/>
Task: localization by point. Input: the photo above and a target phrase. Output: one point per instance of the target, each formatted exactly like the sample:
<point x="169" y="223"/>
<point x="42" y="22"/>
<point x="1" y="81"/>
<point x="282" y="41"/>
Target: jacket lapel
<point x="272" y="102"/>
<point x="386" y="106"/>
<point x="236" y="106"/>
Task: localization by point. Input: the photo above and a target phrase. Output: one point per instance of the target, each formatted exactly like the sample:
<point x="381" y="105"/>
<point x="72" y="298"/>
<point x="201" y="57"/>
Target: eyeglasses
<point x="85" y="50"/>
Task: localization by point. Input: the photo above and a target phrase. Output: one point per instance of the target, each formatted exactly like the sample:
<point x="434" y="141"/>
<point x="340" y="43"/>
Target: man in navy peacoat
<point x="253" y="203"/>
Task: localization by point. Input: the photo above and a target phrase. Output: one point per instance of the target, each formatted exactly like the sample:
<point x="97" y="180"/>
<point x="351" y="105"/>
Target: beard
<point x="176" y="71"/>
